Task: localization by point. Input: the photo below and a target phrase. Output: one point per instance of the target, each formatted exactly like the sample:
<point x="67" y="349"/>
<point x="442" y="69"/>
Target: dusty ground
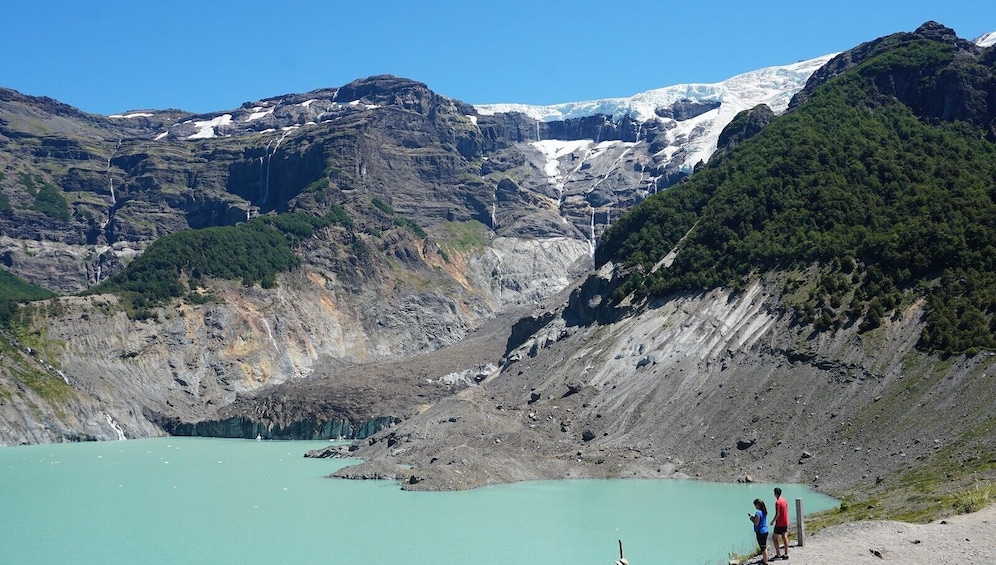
<point x="966" y="539"/>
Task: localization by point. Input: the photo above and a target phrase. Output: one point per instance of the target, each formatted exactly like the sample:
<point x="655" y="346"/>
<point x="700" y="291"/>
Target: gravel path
<point x="966" y="539"/>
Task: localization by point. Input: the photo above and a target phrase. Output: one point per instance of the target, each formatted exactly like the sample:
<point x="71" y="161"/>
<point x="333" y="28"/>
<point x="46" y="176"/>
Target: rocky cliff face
<point x="511" y="205"/>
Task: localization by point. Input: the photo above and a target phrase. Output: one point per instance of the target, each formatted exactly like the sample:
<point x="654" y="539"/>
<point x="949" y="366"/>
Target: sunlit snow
<point x="134" y="115"/>
<point x="986" y="40"/>
<point x="554" y="149"/>
<point x="206" y="128"/>
<point x="773" y="86"/>
<point x="356" y="103"/>
<point x="698" y="136"/>
<point x="258" y="112"/>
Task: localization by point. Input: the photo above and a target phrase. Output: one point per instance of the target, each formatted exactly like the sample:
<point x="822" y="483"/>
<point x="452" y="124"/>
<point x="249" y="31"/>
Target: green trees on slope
<point x="252" y="253"/>
<point x="847" y="176"/>
<point x="14" y="289"/>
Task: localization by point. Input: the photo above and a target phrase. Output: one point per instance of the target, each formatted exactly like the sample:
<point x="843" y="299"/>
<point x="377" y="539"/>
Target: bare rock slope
<point x="720" y="385"/>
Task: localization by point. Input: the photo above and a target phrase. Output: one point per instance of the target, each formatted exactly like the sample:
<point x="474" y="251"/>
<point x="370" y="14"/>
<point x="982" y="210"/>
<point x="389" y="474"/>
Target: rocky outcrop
<point x="746" y="125"/>
<point x="958" y="94"/>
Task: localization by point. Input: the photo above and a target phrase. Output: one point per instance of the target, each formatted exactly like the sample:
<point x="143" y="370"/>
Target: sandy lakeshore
<point x="965" y="539"/>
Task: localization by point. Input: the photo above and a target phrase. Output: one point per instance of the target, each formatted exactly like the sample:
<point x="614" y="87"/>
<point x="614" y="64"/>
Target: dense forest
<point x="253" y="253"/>
<point x="14" y="290"/>
<point x="890" y="204"/>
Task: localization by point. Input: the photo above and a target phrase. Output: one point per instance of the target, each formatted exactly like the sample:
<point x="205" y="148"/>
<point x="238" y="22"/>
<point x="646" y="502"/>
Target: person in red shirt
<point x="781" y="523"/>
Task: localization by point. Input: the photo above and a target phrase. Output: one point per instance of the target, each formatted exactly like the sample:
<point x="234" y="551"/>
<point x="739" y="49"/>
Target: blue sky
<point x="208" y="55"/>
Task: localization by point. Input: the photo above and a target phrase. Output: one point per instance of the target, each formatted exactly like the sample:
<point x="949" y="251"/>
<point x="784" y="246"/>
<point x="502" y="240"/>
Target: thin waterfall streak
<point x="270" y="334"/>
<point x="114" y="426"/>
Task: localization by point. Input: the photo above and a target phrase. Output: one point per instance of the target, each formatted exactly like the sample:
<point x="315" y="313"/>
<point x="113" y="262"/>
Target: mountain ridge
<point x="455" y="223"/>
<point x="728" y="378"/>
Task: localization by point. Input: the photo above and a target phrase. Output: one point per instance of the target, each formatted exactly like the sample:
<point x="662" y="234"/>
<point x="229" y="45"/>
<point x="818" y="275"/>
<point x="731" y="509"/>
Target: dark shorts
<point x="762" y="539"/>
<point x="779" y="530"/>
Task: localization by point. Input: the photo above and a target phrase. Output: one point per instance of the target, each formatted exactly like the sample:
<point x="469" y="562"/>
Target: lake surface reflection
<point x="193" y="500"/>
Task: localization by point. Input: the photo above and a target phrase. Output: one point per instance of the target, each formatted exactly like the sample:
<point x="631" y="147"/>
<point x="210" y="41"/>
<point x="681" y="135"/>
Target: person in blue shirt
<point x="760" y="520"/>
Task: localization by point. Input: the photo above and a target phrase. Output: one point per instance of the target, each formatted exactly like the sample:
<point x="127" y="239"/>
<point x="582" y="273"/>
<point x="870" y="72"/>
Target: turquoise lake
<point x="217" y="501"/>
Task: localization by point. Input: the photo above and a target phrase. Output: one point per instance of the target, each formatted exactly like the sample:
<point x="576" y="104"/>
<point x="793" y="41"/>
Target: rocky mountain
<point x="458" y="215"/>
<point x="717" y="340"/>
<point x="775" y="316"/>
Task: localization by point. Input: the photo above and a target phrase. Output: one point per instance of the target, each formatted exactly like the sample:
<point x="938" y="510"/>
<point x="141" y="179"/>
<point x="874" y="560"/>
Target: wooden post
<point x="800" y="524"/>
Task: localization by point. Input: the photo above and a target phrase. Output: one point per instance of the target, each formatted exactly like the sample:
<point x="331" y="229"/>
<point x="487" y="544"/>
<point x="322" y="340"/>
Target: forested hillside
<point x="884" y="177"/>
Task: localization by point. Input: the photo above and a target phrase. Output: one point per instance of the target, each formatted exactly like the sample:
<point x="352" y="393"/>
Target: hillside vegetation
<point x="14" y="289"/>
<point x="891" y="199"/>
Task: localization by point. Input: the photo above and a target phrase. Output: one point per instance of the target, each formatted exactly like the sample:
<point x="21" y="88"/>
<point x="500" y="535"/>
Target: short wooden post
<point x="800" y="524"/>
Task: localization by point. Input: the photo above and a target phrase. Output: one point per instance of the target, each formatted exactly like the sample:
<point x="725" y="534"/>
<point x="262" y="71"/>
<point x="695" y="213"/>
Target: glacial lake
<point x="218" y="501"/>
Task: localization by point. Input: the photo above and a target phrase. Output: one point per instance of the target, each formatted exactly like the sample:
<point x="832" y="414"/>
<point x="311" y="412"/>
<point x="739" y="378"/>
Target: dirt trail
<point x="966" y="539"/>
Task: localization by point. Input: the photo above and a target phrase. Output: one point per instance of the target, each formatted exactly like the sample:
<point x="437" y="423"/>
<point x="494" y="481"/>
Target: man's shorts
<point x="779" y="530"/>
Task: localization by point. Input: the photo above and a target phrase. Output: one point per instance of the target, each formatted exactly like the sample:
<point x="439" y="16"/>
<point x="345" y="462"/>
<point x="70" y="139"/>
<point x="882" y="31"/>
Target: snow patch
<point x="986" y="39"/>
<point x="206" y="128"/>
<point x="162" y="135"/>
<point x="356" y="103"/>
<point x="258" y="112"/>
<point x="554" y="149"/>
<point x="134" y="115"/>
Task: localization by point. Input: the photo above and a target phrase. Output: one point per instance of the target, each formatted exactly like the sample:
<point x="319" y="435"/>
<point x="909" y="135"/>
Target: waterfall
<point x="269" y="157"/>
<point x="264" y="169"/>
<point x="537" y="131"/>
<point x="591" y="236"/>
<point x="110" y="179"/>
<point x="270" y="334"/>
<point x="494" y="208"/>
<point x="497" y="273"/>
<point x="114" y="426"/>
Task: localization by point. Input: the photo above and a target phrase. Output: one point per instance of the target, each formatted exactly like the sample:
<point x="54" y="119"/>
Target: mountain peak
<point x="937" y="32"/>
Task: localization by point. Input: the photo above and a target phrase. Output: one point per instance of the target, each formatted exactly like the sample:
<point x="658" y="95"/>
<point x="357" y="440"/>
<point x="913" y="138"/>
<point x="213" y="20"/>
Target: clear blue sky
<point x="208" y="55"/>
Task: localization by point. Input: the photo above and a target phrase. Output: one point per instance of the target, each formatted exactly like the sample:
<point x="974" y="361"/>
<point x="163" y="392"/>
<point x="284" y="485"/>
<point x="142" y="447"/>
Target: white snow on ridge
<point x="133" y="115"/>
<point x="696" y="137"/>
<point x="206" y="128"/>
<point x="986" y="39"/>
<point x="258" y="112"/>
<point x="773" y="86"/>
<point x="357" y="104"/>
